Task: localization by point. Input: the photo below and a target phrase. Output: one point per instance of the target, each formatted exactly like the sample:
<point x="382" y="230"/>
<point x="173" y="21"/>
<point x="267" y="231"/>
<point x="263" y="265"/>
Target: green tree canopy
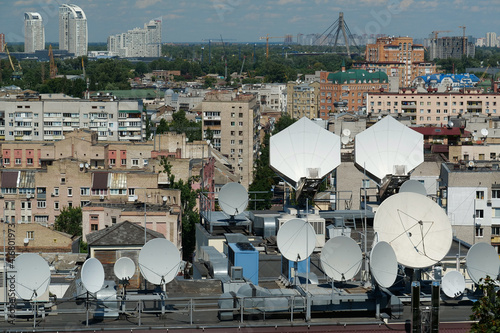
<point x="486" y="310"/>
<point x="70" y="221"/>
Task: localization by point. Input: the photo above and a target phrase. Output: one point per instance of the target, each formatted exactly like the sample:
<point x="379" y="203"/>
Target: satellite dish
<point x="124" y="268"/>
<point x="416" y="227"/>
<point x="81" y="165"/>
<point x="301" y="147"/>
<point x="164" y="198"/>
<point x="453" y="284"/>
<point x="413" y="186"/>
<point x="385" y="145"/>
<point x="346" y="132"/>
<point x="159" y="261"/>
<point x="383" y="264"/>
<point x="92" y="275"/>
<point x="475" y="138"/>
<point x="233" y="198"/>
<point x="296" y="239"/>
<point x="471" y="164"/>
<point x="344" y="140"/>
<point x="87" y="165"/>
<point x="482" y="260"/>
<point x="341" y="258"/>
<point x="450" y="124"/>
<point x="33" y="276"/>
<point x="484" y="132"/>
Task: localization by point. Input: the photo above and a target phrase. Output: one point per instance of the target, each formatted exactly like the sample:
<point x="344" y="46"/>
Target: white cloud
<point x="145" y="3"/>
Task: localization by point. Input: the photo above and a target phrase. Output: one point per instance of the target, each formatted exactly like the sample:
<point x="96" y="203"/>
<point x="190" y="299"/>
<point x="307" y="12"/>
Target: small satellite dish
<point x="233" y="199"/>
<point x="346" y="132"/>
<point x="341" y="258"/>
<point x="159" y="261"/>
<point x="124" y="268"/>
<point x="383" y="264"/>
<point x="81" y="165"/>
<point x="296" y="239"/>
<point x="453" y="284"/>
<point x="379" y="118"/>
<point x="416" y="227"/>
<point x="484" y="132"/>
<point x="344" y="140"/>
<point x="26" y="241"/>
<point x="87" y="165"/>
<point x="413" y="186"/>
<point x="33" y="276"/>
<point x="450" y="124"/>
<point x="482" y="260"/>
<point x="92" y="275"/>
<point x="470" y="164"/>
<point x="164" y="198"/>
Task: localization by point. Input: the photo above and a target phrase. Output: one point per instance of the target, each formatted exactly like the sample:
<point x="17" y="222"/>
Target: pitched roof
<point x="125" y="233"/>
<point x="358" y="76"/>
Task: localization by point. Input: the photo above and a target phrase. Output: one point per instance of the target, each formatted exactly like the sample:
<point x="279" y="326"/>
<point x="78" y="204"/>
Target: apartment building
<point x="34" y="32"/>
<point x="270" y="95"/>
<point x="73" y="34"/>
<point x="349" y="89"/>
<point x="138" y="42"/>
<point x="234" y="119"/>
<point x="303" y="99"/>
<point x="451" y="47"/>
<point x="33" y="118"/>
<point x="433" y="108"/>
<point x="397" y="57"/>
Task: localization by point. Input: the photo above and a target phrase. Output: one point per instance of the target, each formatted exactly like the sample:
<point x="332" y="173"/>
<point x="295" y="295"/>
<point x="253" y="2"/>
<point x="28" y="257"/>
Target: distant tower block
<point x="331" y="35"/>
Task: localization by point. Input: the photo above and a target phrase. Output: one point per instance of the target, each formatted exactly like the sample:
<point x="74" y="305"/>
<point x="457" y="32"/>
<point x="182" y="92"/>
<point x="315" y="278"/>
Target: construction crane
<point x="463" y="40"/>
<point x="437" y="32"/>
<point x="267" y="37"/>
<point x="53" y="67"/>
<point x="243" y="64"/>
<point x="484" y="74"/>
<point x="16" y="74"/>
<point x="214" y="40"/>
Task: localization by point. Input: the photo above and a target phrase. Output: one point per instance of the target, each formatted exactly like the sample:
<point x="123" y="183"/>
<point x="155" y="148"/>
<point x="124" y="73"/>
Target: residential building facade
<point x="31" y="118"/>
<point x="451" y="47"/>
<point x="271" y="95"/>
<point x="433" y="108"/>
<point x="397" y="57"/>
<point x="139" y="42"/>
<point x="234" y="119"/>
<point x="73" y="34"/>
<point x="34" y="32"/>
<point x="303" y="99"/>
<point x="491" y="39"/>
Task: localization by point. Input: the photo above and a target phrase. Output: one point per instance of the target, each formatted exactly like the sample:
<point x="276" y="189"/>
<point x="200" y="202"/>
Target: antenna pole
<point x="145" y="214"/>
<point x="367" y="268"/>
<point x="307" y="246"/>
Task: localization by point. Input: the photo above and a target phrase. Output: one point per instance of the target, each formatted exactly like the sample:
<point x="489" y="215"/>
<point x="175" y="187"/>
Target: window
<point x="113" y="220"/>
<point x="6" y="161"/>
<point x="479" y="232"/>
<point x="94" y="227"/>
<point x="233" y="123"/>
<point x="495" y="212"/>
<point x="124" y="161"/>
<point x="112" y="161"/>
<point x="232" y="142"/>
<point x="30" y="234"/>
<point x="240" y="115"/>
<point x="480" y="195"/>
<point x="495" y="194"/>
<point x="479" y="213"/>
<point x="495" y="231"/>
<point x="240" y="123"/>
<point x="233" y="114"/>
<point x="56" y="191"/>
<point x="29" y="161"/>
<point x="41" y="204"/>
<point x="84" y="191"/>
<point x="56" y="205"/>
<point x="63" y="180"/>
<point x="131" y="191"/>
<point x="18" y="161"/>
<point x="70" y="191"/>
<point x="84" y="203"/>
<point x="135" y="162"/>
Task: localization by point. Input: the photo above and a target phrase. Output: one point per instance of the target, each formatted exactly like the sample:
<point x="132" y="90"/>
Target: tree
<point x="70" y="221"/>
<point x="486" y="310"/>
<point x="190" y="215"/>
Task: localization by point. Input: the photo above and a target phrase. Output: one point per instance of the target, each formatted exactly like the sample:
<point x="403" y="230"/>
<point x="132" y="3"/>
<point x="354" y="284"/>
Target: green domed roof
<point x="357" y="76"/>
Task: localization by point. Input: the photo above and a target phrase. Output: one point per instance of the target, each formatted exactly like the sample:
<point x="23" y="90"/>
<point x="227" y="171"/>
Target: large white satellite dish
<point x="92" y="275"/>
<point x="341" y="258"/>
<point x="296" y="239"/>
<point x="413" y="186"/>
<point x="484" y="132"/>
<point x="388" y="148"/>
<point x="383" y="264"/>
<point x="482" y="260"/>
<point x="159" y="261"/>
<point x="124" y="268"/>
<point x="344" y="140"/>
<point x="33" y="276"/>
<point x="453" y="284"/>
<point x="304" y="150"/>
<point x="233" y="199"/>
<point x="346" y="132"/>
<point x="416" y="227"/>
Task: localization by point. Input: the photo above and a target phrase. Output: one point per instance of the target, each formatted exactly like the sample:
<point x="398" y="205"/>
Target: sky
<point x="246" y="21"/>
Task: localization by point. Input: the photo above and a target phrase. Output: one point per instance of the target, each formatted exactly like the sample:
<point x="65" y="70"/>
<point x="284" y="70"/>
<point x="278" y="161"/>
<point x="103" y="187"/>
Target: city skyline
<point x="236" y="19"/>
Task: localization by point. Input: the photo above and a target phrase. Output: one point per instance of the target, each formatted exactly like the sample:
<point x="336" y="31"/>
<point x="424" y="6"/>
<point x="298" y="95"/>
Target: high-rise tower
<point x="34" y="33"/>
<point x="73" y="35"/>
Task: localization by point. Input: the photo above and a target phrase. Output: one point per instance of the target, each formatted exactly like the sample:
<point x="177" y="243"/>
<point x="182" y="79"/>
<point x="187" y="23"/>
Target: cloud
<point x="145" y="3"/>
<point x="287" y="2"/>
<point x="171" y="17"/>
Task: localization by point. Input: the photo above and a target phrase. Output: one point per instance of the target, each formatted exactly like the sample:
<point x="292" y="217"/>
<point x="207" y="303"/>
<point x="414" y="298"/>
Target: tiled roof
<point x="125" y="233"/>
